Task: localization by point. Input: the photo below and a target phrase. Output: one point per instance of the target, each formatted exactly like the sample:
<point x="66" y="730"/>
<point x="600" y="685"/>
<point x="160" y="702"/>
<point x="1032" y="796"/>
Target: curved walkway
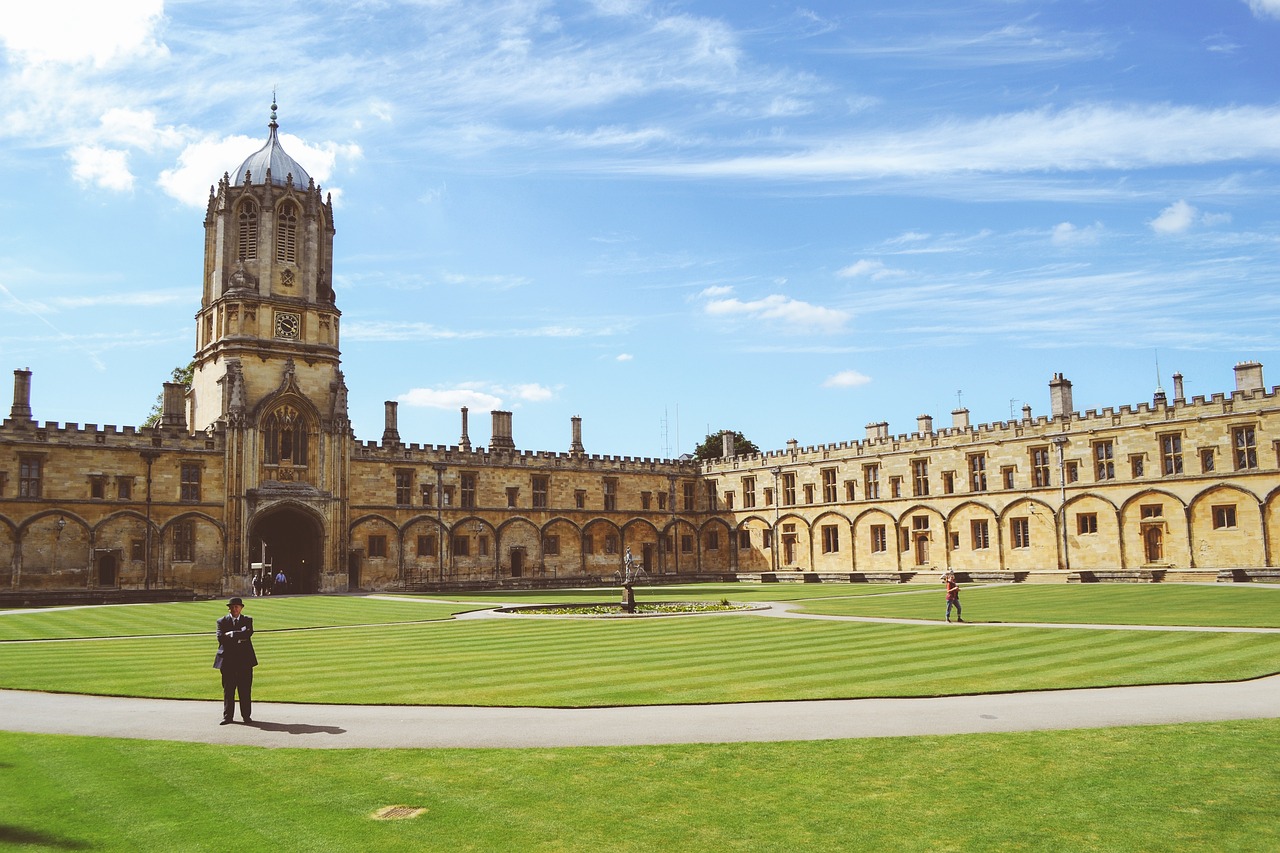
<point x="382" y="726"/>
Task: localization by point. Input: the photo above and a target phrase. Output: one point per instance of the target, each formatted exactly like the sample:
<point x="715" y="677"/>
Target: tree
<point x="712" y="447"/>
<point x="179" y="374"/>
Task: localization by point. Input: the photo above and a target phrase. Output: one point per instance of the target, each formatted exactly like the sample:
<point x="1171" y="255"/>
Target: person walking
<point x="953" y="594"/>
<point x="236" y="660"/>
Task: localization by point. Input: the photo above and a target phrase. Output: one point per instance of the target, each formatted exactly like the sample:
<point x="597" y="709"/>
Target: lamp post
<point x="440" y="466"/>
<point x="776" y="471"/>
<point x="148" y="456"/>
<point x="1060" y="441"/>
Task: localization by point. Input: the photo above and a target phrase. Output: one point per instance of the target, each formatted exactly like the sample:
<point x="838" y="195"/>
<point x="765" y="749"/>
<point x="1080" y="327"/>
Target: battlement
<point x="109" y="435"/>
<point x="879" y="442"/>
<point x="391" y="452"/>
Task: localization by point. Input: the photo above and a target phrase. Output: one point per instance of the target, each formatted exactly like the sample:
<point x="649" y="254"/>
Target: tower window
<point x="286" y="437"/>
<point x="287" y="233"/>
<point x="247" y="231"/>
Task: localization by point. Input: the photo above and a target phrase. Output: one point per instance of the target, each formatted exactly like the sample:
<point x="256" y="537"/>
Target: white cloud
<point x="716" y="290"/>
<point x="202" y="164"/>
<point x="625" y="356"/>
<point x="875" y="270"/>
<point x="450" y="398"/>
<point x="530" y="392"/>
<point x="1179" y="217"/>
<point x="1079" y="139"/>
<point x="137" y="129"/>
<point x="1067" y="234"/>
<point x="799" y="316"/>
<point x="74" y="31"/>
<point x="846" y="379"/>
<point x="92" y="165"/>
<point x="1265" y="8"/>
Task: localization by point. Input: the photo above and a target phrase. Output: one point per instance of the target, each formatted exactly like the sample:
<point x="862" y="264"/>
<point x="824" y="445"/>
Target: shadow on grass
<point x="296" y="728"/>
<point x="19" y="835"/>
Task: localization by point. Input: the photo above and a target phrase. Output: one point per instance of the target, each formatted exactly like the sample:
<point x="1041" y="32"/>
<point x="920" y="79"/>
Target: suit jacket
<point x="235" y="648"/>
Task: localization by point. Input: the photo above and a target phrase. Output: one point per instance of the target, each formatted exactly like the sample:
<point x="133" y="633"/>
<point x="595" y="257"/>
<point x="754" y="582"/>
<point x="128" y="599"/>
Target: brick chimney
<point x="501" y="433"/>
<point x="1060" y="404"/>
<point x="21" y="410"/>
<point x="1249" y="376"/>
<point x="575" y="443"/>
<point x="390" y="432"/>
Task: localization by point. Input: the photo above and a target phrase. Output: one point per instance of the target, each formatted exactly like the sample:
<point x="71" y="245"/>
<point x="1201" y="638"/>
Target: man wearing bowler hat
<point x="236" y="660"/>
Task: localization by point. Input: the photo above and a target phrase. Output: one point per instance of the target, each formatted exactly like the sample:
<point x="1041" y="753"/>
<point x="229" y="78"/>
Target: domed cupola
<point x="271" y="159"/>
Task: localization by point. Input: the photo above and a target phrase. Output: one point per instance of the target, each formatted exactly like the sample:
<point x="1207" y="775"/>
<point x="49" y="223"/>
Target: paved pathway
<point x="357" y="726"/>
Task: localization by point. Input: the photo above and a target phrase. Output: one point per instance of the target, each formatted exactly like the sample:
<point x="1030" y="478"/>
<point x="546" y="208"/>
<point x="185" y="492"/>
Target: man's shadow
<point x="296" y="728"/>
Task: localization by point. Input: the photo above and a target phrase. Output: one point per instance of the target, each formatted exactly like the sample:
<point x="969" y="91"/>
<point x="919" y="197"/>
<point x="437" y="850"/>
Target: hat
<point x="233" y="602"/>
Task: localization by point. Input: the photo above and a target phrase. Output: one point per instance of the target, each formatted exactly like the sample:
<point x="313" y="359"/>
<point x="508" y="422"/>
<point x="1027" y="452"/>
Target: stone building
<point x="255" y="464"/>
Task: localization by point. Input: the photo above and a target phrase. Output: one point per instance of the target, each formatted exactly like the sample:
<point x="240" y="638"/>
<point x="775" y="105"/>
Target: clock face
<point x="287" y="325"/>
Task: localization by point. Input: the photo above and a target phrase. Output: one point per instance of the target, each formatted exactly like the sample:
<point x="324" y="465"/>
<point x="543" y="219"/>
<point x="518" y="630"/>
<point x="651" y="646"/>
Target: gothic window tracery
<point x="285" y="441"/>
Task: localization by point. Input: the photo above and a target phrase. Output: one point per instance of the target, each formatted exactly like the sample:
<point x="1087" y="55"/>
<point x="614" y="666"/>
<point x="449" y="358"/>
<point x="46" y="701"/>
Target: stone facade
<point x="256" y="463"/>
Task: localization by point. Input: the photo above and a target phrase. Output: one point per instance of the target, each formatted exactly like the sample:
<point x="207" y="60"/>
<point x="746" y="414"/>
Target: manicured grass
<point x="1190" y="787"/>
<point x="702" y="591"/>
<point x="270" y="614"/>
<point x="1109" y="604"/>
<point x="728" y="658"/>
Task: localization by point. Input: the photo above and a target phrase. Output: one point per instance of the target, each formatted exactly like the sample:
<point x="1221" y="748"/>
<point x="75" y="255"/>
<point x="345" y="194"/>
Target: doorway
<point x="922" y="549"/>
<point x="108" y="566"/>
<point x="517" y="562"/>
<point x="292" y="542"/>
<point x="1153" y="544"/>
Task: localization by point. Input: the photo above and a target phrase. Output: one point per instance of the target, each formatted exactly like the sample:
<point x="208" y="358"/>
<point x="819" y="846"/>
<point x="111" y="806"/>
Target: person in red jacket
<point x="953" y="595"/>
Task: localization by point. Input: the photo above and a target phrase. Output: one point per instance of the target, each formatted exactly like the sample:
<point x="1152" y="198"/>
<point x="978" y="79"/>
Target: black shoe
<point x="226" y="722"/>
<point x="958" y="619"/>
<point x="248" y="722"/>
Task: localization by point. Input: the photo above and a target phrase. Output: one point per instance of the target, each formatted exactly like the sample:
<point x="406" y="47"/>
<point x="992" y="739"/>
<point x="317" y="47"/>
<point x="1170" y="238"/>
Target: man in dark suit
<point x="236" y="661"/>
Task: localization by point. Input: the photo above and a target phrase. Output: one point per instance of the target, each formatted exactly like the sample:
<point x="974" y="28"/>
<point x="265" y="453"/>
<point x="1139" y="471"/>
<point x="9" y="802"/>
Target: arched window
<point x="247" y="233"/>
<point x="287" y="233"/>
<point x="285" y="438"/>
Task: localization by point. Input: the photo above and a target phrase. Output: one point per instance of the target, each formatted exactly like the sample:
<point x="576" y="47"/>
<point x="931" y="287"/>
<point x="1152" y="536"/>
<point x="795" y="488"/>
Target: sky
<point x="668" y="218"/>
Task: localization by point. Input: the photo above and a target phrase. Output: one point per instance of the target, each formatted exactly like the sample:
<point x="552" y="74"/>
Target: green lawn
<point x="371" y="654"/>
<point x="1160" y="788"/>
<point x="1109" y="604"/>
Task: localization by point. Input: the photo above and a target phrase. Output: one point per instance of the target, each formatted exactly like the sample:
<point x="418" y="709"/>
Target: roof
<point x="271" y="156"/>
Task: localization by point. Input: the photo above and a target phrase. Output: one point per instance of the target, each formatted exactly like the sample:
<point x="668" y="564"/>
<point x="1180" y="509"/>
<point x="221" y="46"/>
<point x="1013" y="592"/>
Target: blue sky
<point x="665" y="217"/>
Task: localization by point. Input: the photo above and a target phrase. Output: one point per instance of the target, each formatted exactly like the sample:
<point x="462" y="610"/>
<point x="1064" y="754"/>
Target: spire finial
<point x="273" y="106"/>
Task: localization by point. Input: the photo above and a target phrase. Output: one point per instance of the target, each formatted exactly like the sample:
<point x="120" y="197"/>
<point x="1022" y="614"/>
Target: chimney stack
<point x="390" y="432"/>
<point x="726" y="444"/>
<point x="21" y="410"/>
<point x="174" y="413"/>
<point x="575" y="445"/>
<point x="924" y="424"/>
<point x="959" y="418"/>
<point x="1178" y="396"/>
<point x="1060" y="404"/>
<point x="1249" y="376"/>
<point x="464" y="443"/>
<point x="501" y="433"/>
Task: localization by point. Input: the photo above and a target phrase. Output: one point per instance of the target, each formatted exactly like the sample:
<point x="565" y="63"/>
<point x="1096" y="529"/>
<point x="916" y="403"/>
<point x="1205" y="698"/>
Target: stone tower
<point x="267" y="368"/>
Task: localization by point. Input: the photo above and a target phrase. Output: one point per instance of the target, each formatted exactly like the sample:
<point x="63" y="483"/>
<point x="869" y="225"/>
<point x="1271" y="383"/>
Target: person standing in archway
<point x="236" y="660"/>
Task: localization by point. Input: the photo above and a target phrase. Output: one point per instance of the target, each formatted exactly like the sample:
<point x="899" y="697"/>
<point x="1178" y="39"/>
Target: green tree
<point x="179" y="374"/>
<point x="712" y="446"/>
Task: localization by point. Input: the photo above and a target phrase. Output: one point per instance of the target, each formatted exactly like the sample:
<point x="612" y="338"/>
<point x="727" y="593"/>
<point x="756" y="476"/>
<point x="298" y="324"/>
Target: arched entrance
<point x="1153" y="544"/>
<point x="291" y="541"/>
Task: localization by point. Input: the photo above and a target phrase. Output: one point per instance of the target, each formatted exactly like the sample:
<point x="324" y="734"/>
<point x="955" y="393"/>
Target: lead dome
<point x="271" y="159"/>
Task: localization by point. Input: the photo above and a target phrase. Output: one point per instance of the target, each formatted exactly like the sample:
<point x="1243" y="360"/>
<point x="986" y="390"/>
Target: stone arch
<point x="640" y="536"/>
<point x="560" y="549"/>
<point x="875" y="541"/>
<point x="1154" y="532"/>
<point x="601" y="547"/>
<point x="973" y="528"/>
<point x="1093" y="533"/>
<point x="290" y="537"/>
<point x="1029" y="536"/>
<point x="715" y="545"/>
<point x="833" y="550"/>
<point x="124" y="534"/>
<point x="520" y="548"/>
<point x="1227" y="528"/>
<point x="191" y="551"/>
<point x="922" y="538"/>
